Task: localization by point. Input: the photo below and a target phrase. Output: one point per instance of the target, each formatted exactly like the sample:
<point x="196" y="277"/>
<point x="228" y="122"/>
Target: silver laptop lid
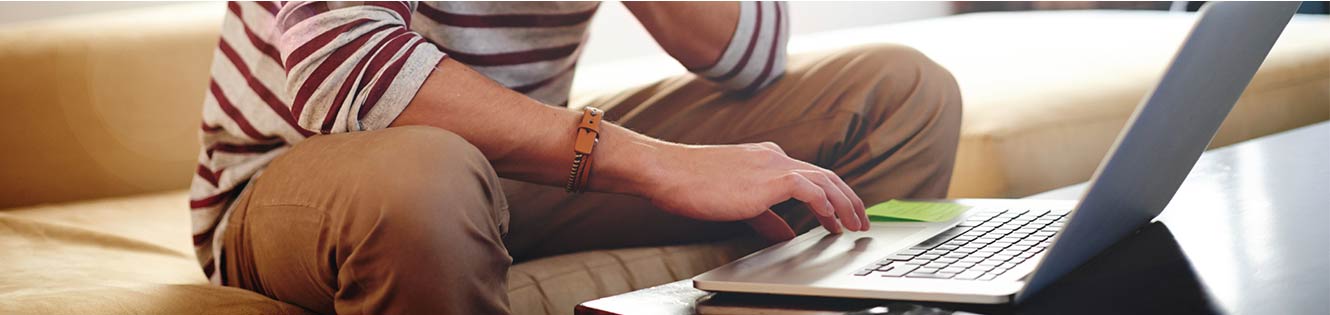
<point x="1167" y="133"/>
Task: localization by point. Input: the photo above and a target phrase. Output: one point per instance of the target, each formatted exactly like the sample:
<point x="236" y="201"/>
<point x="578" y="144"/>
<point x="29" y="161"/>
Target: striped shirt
<point x="283" y="72"/>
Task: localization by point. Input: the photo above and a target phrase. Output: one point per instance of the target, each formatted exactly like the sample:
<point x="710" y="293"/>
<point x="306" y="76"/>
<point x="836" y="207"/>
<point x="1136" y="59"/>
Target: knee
<point x="900" y="67"/>
<point x="429" y="219"/>
<point x="896" y="60"/>
<point x="905" y="80"/>
<point x="430" y="185"/>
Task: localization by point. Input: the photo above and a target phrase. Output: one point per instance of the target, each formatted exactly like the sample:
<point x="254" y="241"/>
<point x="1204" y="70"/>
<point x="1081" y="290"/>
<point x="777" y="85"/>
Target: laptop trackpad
<point x="818" y="255"/>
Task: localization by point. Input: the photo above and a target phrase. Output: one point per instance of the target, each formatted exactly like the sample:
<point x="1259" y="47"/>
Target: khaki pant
<point x="414" y="220"/>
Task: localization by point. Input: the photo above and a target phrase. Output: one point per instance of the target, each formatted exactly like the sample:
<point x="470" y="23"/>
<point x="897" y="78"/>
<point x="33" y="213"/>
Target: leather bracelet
<point x="588" y="135"/>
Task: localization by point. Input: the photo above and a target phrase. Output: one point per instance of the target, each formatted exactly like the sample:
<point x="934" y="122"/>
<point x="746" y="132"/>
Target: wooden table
<point x="1247" y="233"/>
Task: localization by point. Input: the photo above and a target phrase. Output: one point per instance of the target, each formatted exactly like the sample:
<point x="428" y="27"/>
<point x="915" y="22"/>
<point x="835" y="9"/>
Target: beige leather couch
<point x="101" y="114"/>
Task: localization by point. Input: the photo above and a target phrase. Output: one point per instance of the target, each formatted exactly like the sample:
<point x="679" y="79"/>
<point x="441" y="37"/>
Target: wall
<point x="615" y="34"/>
<point x="23" y="11"/>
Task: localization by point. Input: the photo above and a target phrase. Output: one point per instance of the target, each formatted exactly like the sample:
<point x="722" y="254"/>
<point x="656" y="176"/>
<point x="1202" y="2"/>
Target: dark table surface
<point x="1247" y="233"/>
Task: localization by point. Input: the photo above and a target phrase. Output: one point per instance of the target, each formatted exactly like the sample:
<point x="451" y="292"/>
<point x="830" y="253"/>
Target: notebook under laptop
<point x="1000" y="250"/>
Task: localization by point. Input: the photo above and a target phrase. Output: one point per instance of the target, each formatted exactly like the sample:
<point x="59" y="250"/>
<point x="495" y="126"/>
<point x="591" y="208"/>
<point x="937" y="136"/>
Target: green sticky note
<point x="914" y="211"/>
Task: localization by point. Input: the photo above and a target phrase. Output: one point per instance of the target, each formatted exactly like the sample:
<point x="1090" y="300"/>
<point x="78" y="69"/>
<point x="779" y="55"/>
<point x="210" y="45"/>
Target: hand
<point x="738" y="182"/>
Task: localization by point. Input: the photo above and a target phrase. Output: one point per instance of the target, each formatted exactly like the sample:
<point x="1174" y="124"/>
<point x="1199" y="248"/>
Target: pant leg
<point x="397" y="221"/>
<point x="884" y="117"/>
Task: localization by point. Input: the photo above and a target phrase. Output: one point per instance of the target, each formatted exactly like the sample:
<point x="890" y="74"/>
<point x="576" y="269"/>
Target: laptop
<point x="1002" y="251"/>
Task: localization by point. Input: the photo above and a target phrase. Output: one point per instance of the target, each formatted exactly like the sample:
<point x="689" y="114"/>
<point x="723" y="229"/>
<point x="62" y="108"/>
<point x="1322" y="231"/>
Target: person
<point x="393" y="157"/>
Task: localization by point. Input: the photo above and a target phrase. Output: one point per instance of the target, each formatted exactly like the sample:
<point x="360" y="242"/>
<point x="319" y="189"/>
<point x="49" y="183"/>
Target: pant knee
<point x="911" y="115"/>
<point x="428" y="171"/>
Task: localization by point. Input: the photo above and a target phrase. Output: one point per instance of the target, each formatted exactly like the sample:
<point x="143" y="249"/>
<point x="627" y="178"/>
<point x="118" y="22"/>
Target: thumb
<point x="771" y="227"/>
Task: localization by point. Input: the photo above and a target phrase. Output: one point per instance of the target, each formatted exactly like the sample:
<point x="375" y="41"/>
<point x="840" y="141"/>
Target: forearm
<point x="524" y="139"/>
<point x="712" y="24"/>
<point x="738" y="45"/>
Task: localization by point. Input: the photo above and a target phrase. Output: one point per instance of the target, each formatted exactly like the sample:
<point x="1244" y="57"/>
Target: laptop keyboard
<point x="982" y="247"/>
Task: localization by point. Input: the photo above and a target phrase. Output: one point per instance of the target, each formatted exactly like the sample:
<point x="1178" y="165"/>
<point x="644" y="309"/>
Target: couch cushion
<point x="132" y="255"/>
<point x="554" y="285"/>
<point x="1046" y="93"/>
<point x="116" y="256"/>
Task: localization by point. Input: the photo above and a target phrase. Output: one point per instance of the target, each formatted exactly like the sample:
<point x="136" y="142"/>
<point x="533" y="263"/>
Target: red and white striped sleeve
<point x="351" y="66"/>
<point x="755" y="56"/>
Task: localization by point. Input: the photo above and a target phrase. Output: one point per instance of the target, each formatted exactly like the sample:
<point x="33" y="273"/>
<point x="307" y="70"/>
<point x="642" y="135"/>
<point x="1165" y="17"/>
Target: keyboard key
<point x="897" y="272"/>
<point x="954" y="255"/>
<point x="863" y="272"/>
<point x="962" y="264"/>
<point x="911" y="252"/>
<point x="917" y="262"/>
<point x="969" y="275"/>
<point x="966" y="250"/>
<point x="930" y="275"/>
<point x="936" y="265"/>
<point x="982" y="267"/>
<point x="927" y="257"/>
<point x="987" y="277"/>
<point x="947" y="247"/>
<point x="899" y="257"/>
<point x="936" y="252"/>
<point x="952" y="270"/>
<point x="1007" y="265"/>
<point x="926" y="270"/>
<point x="946" y="260"/>
<point x="991" y="263"/>
<point x="1001" y="257"/>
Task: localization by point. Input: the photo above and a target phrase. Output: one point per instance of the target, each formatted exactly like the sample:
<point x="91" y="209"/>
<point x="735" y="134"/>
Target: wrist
<point x="629" y="163"/>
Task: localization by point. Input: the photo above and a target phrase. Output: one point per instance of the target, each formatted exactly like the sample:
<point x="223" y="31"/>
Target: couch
<point x="102" y="112"/>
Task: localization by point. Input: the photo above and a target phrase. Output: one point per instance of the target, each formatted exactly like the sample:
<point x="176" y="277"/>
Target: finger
<point x="844" y="208"/>
<point x="802" y="189"/>
<point x="854" y="198"/>
<point x="773" y="146"/>
<point x="830" y="224"/>
<point x="771" y="227"/>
